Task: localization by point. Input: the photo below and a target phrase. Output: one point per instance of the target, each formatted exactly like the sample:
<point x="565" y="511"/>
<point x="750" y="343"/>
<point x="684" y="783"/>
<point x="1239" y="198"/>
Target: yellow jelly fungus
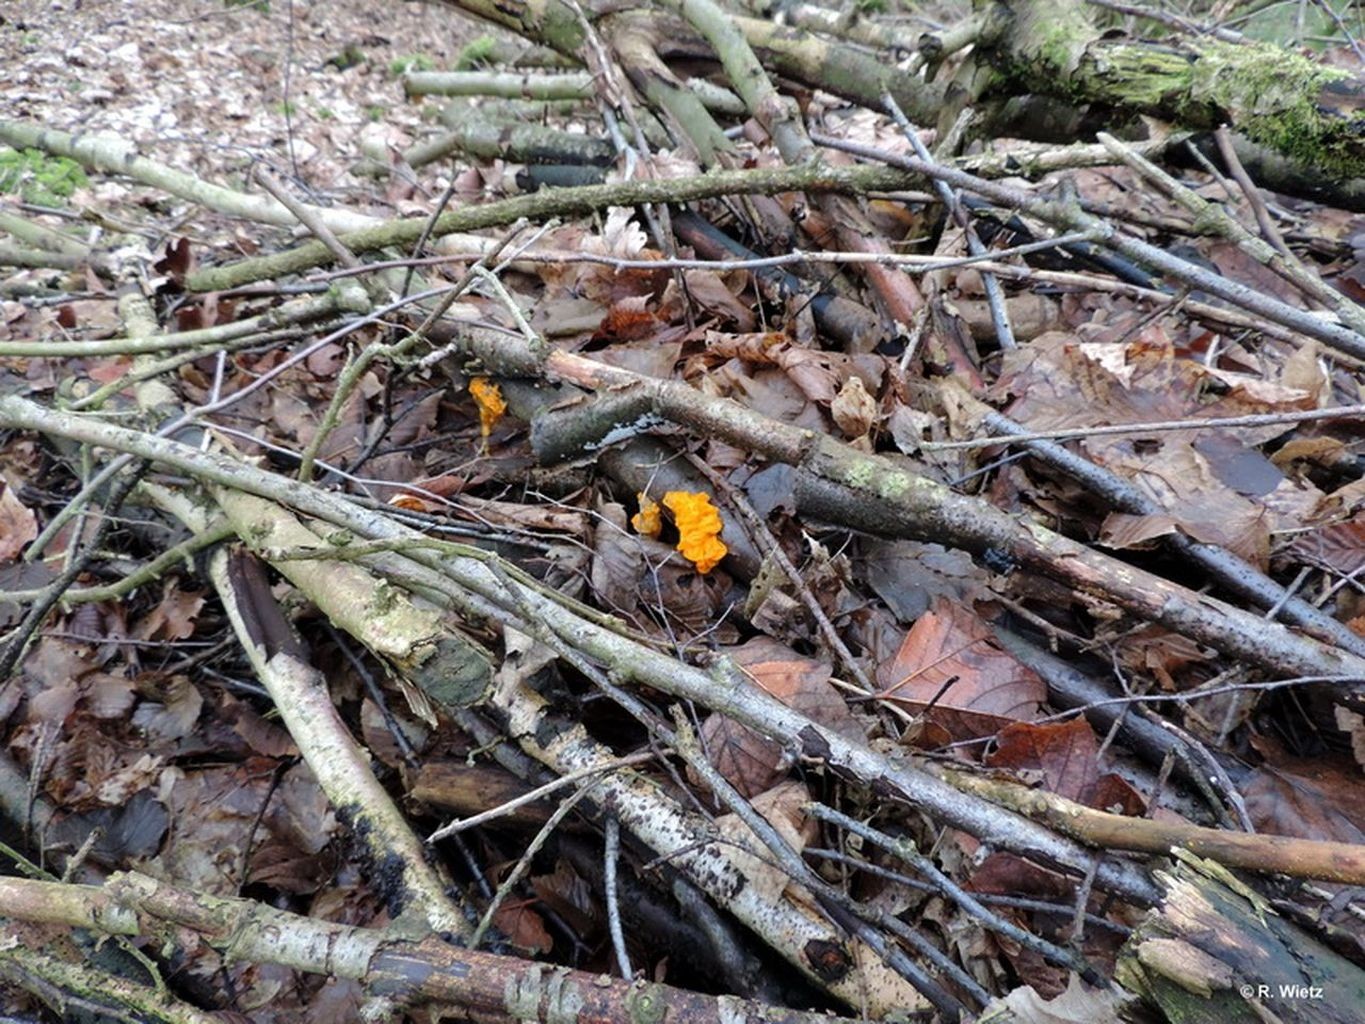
<point x="488" y="397"/>
<point x="699" y="528"/>
<point x="647" y="520"/>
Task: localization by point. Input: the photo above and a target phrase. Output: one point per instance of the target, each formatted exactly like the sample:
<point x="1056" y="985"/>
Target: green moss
<point x="1276" y="97"/>
<point x="1272" y="95"/>
<point x="476" y="53"/>
<point x="411" y="62"/>
<point x="38" y="178"/>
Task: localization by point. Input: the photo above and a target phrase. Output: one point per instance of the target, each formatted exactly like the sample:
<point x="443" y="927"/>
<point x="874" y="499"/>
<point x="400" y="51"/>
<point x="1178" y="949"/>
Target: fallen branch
<point x="1269" y="854"/>
<point x="551" y="203"/>
<point x="483" y="985"/>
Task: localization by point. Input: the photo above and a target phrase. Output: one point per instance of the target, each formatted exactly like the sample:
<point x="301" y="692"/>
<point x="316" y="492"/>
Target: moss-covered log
<point x="1300" y="108"/>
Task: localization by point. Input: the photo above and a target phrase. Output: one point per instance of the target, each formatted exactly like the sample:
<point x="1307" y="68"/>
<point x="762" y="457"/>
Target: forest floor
<point x="136" y="728"/>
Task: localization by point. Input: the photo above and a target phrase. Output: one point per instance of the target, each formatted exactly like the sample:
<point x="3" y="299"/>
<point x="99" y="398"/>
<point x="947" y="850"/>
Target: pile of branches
<point x="836" y="815"/>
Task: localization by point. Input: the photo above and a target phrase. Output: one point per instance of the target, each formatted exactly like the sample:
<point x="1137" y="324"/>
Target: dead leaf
<point x="1079" y="1004"/>
<point x="782" y="807"/>
<point x="853" y="409"/>
<point x="949" y="658"/>
<point x="173" y="617"/>
<point x="174" y="716"/>
<point x="18" y="525"/>
<point x="749" y="762"/>
<point x="1328" y="804"/>
<point x="1066" y="754"/>
<point x="709" y="290"/>
<point x="523" y="927"/>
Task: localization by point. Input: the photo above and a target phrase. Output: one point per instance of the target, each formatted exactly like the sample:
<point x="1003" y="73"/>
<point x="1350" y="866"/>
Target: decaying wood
<point x="1214" y="950"/>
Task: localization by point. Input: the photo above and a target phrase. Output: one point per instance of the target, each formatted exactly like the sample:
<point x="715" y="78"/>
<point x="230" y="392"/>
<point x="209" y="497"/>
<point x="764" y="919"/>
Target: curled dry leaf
<point x="853" y="409"/>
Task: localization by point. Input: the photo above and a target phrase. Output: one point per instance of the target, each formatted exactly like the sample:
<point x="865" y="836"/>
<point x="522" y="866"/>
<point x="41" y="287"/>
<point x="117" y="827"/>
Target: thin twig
<point x="611" y="854"/>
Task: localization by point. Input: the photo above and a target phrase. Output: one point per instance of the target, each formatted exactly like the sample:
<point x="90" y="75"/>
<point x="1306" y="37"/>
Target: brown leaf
<point x="172" y="618"/>
<point x="709" y="290"/>
<point x="1123" y="530"/>
<point x="571" y="897"/>
<point x="1339" y="547"/>
<point x="178" y="261"/>
<point x="1328" y="804"/>
<point x="853" y="409"/>
<point x="174" y="716"/>
<point x="803" y="684"/>
<point x="618" y="559"/>
<point x="908" y="575"/>
<point x="782" y="807"/>
<point x="628" y="320"/>
<point x="749" y="762"/>
<point x="264" y="737"/>
<point x="523" y="927"/>
<point x="753" y="763"/>
<point x="108" y="696"/>
<point x="18" y="525"/>
<point x="1066" y="754"/>
<point x="118" y="786"/>
<point x="949" y="658"/>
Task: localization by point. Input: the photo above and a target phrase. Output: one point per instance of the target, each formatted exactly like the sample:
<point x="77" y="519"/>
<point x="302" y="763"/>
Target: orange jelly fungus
<point x="647" y="521"/>
<point x="699" y="528"/>
<point x="488" y="397"/>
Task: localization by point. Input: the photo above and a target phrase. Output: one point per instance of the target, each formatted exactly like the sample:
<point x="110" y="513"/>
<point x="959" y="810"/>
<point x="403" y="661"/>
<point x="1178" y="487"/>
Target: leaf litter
<point x="150" y="731"/>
